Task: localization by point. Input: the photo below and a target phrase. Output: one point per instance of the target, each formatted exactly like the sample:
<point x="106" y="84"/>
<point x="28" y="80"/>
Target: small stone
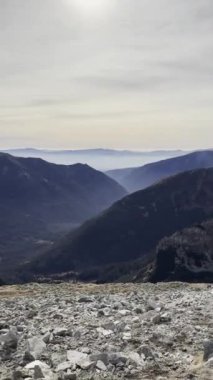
<point x="86" y="350"/>
<point x="35" y="363"/>
<point x="100" y="313"/>
<point x="70" y="376"/>
<point x="117" y="357"/>
<point x="165" y="318"/>
<point x="208" y="350"/>
<point x="17" y="375"/>
<point x="152" y="305"/>
<point x="11" y="339"/>
<point x="146" y="352"/>
<point x="35" y="348"/>
<point x="136" y="358"/>
<point x="32" y="313"/>
<point x="85" y="364"/>
<point x="138" y="310"/>
<point x="60" y="331"/>
<point x="100" y="365"/>
<point x="104" y="332"/>
<point x="77" y="334"/>
<point x="127" y="336"/>
<point x="156" y="319"/>
<point x="63" y="366"/>
<point x="124" y="312"/>
<point x="209" y="363"/>
<point x="103" y="357"/>
<point x="135" y="319"/>
<point x="38" y="374"/>
<point x="85" y="299"/>
<point x="46" y="337"/>
<point x="75" y="357"/>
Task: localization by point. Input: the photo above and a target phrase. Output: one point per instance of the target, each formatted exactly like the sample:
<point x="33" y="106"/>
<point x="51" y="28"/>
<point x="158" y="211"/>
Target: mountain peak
<point x="139" y="178"/>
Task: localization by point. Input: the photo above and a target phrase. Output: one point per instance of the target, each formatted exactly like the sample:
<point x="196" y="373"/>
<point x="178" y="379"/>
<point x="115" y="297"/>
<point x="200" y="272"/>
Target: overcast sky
<point x="106" y="73"/>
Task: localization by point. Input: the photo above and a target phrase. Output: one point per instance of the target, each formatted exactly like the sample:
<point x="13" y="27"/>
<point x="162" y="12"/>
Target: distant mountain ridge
<point x="39" y="200"/>
<point x="135" y="179"/>
<point x="132" y="227"/>
<point x="95" y="150"/>
<point x="101" y="159"/>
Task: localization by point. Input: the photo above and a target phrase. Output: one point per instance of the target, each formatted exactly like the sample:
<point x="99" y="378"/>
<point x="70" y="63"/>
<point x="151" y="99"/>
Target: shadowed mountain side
<point x="133" y="226"/>
<point x="40" y="201"/>
<point x="186" y="255"/>
<point x="139" y="178"/>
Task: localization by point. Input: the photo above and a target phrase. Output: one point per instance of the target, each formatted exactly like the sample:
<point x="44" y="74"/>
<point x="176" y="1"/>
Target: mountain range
<point x="40" y="201"/>
<point x="101" y="159"/>
<point x="134" y="179"/>
<point x="132" y="227"/>
<point x="72" y="221"/>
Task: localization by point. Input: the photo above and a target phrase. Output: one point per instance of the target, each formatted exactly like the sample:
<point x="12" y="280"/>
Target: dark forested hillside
<point x="39" y="201"/>
<point x="133" y="226"/>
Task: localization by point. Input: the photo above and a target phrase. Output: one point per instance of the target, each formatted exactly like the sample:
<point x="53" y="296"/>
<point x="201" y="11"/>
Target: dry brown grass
<point x="13" y="291"/>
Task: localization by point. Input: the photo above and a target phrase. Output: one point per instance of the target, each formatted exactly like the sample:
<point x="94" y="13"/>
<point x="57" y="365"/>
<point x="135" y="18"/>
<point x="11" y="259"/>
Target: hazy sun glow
<point x="92" y="7"/>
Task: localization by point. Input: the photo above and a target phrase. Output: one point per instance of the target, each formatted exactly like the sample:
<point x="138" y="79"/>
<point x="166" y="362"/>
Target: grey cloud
<point x="126" y="83"/>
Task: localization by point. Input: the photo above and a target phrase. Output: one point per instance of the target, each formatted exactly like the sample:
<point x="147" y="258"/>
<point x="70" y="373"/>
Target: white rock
<point x="127" y="336"/>
<point x="124" y="312"/>
<point x="60" y="331"/>
<point x="104" y="332"/>
<point x="35" y="348"/>
<point x="136" y="358"/>
<point x="35" y="363"/>
<point x="63" y="366"/>
<point x="41" y="370"/>
<point x="100" y="365"/>
<point x="85" y="364"/>
<point x="75" y="357"/>
<point x="135" y="319"/>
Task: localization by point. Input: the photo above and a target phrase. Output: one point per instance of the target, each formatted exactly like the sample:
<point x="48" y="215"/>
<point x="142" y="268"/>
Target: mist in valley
<point x="100" y="159"/>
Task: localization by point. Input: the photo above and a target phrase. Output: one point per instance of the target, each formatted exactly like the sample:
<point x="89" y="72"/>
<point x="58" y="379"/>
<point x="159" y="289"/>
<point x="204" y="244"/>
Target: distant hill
<point x="139" y="178"/>
<point x="101" y="159"/>
<point x="40" y="200"/>
<point x="132" y="227"/>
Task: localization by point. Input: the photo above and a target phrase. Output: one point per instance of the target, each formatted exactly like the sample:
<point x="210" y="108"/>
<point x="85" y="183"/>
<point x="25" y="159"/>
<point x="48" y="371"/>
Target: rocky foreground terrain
<point x="132" y="331"/>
